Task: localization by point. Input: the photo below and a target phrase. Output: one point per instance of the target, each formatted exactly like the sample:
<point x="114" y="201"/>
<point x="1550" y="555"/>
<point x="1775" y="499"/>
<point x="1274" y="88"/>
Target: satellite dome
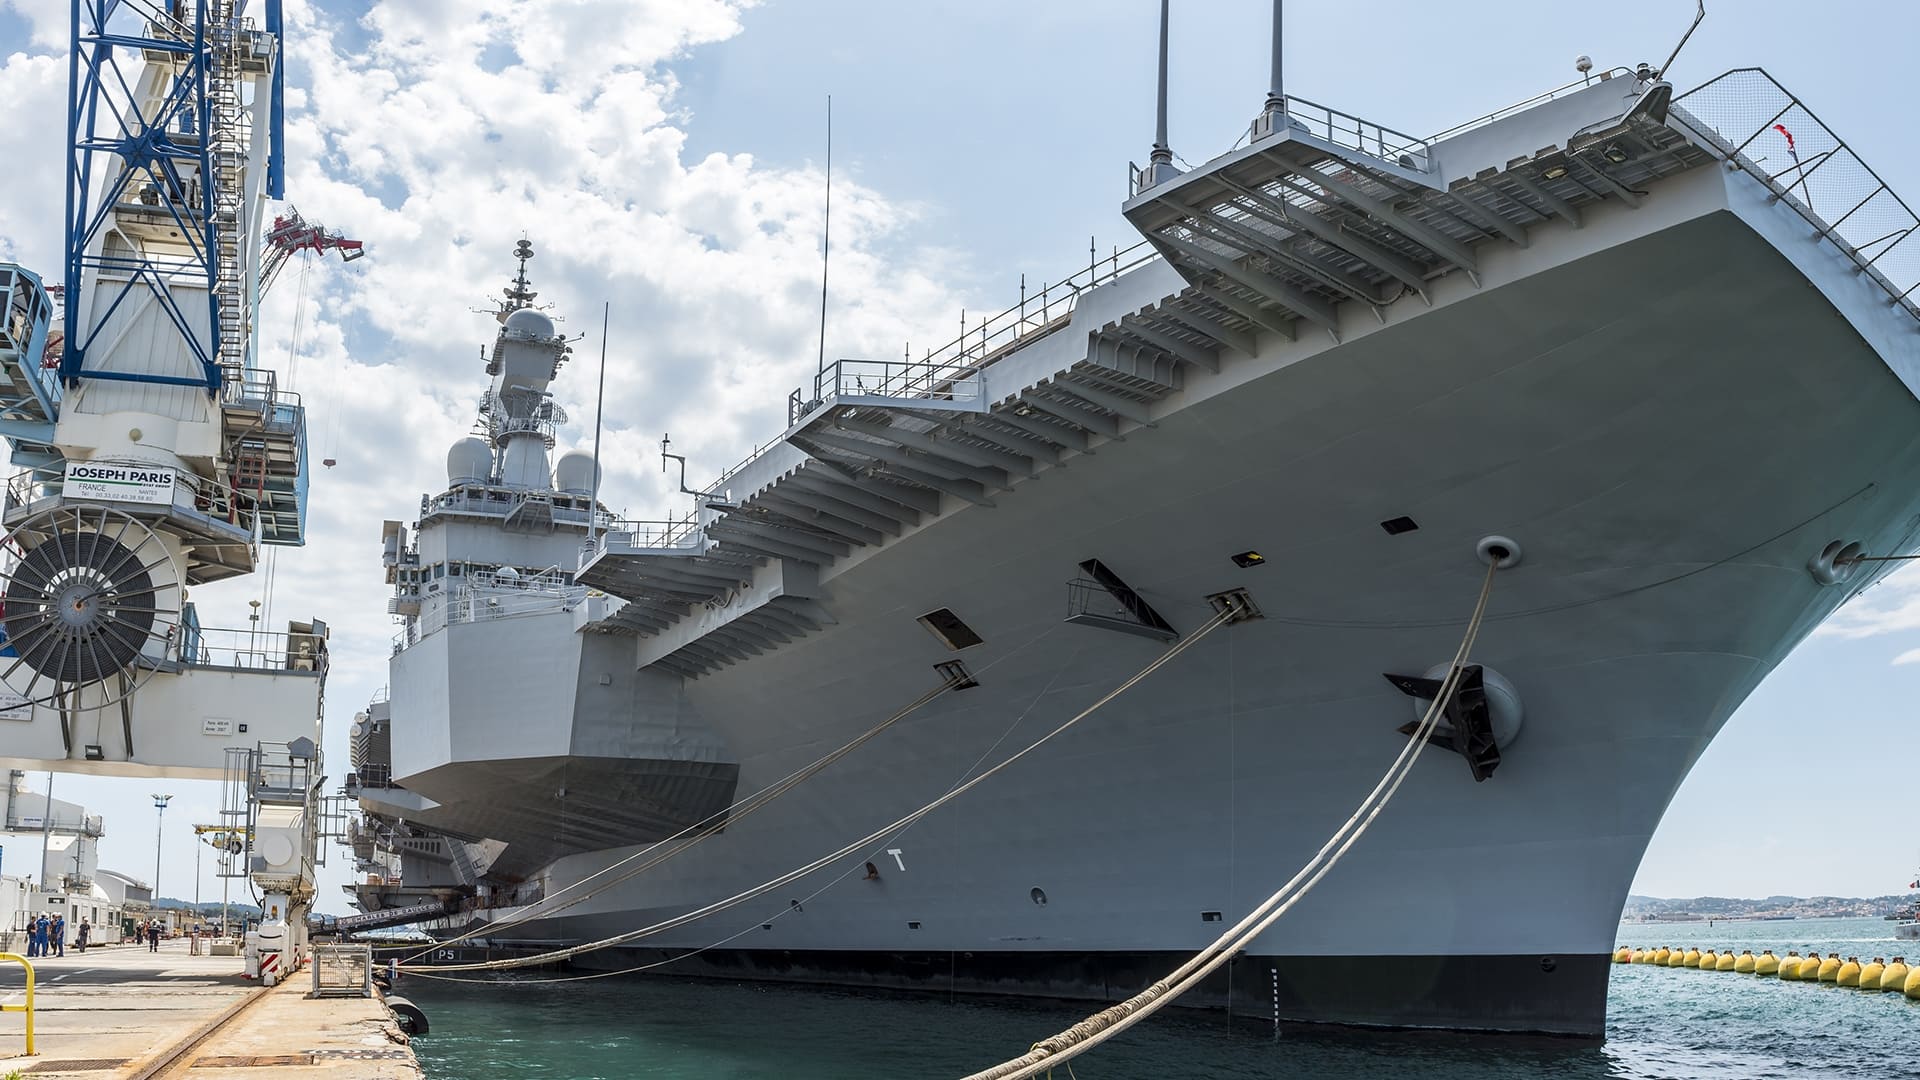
<point x="529" y="323"/>
<point x="575" y="473"/>
<point x="469" y="461"/>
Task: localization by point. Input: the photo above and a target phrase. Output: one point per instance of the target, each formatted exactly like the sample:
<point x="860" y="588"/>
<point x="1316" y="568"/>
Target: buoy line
<point x="806" y="899"/>
<point x="730" y="814"/>
<point x="1103" y="1025"/>
<point x="1877" y="974"/>
<point x="790" y="876"/>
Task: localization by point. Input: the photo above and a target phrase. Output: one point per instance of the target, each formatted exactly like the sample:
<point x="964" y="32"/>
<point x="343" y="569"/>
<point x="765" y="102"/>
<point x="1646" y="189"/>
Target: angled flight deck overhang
<point x="1330" y="210"/>
<point x="1324" y="231"/>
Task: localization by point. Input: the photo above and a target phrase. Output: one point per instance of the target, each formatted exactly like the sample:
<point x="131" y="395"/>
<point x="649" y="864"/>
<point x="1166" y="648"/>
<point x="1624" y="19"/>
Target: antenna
<point x="599" y="408"/>
<point x="1160" y="162"/>
<point x="1276" y="92"/>
<point x="520" y="293"/>
<point x="826" y="237"/>
<point x="1272" y="118"/>
<point x="1697" y="19"/>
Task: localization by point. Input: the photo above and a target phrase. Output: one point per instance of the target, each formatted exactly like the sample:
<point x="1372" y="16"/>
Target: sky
<point x="667" y="156"/>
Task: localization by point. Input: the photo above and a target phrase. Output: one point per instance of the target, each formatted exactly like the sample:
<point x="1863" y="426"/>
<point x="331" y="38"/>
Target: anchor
<point x="1466" y="724"/>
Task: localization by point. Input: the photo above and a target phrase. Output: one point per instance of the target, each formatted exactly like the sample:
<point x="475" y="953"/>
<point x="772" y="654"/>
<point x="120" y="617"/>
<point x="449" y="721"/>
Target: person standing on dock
<point x="59" y="930"/>
<point x="42" y="927"/>
<point x="85" y="933"/>
<point x="153" y="935"/>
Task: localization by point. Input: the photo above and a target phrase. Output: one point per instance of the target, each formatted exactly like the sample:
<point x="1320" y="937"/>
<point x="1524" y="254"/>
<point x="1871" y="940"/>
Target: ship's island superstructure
<point x="1659" y="354"/>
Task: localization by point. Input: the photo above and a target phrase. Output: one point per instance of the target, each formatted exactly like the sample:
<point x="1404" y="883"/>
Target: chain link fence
<point x="1771" y="134"/>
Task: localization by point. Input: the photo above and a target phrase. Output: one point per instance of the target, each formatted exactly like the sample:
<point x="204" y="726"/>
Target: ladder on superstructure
<point x="230" y="131"/>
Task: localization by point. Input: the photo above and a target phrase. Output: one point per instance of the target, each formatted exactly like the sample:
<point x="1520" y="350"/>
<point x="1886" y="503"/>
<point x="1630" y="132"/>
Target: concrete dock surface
<point x="122" y="1011"/>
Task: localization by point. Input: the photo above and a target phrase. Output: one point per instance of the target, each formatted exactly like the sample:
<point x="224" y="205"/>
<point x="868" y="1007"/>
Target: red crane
<point x="291" y="233"/>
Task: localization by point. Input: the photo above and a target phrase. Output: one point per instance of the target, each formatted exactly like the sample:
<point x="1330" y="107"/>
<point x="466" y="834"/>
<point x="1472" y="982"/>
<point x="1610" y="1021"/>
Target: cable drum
<point x="83" y="606"/>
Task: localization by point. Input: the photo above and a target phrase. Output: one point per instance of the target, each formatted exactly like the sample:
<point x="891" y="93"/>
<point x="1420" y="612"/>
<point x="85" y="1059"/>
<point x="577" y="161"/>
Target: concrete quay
<point x="125" y="1013"/>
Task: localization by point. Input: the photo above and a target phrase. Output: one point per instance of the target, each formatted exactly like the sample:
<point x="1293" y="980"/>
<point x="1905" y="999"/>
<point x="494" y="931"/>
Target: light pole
<point x="159" y="804"/>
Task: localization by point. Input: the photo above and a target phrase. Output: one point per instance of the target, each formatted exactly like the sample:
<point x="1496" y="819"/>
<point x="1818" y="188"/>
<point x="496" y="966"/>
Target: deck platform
<point x="124" y="1012"/>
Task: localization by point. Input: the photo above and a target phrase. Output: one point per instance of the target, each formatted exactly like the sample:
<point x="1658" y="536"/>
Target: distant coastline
<point x="1648" y="909"/>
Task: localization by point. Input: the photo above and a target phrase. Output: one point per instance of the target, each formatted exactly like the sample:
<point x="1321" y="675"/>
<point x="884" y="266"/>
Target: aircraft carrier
<point x="1657" y="353"/>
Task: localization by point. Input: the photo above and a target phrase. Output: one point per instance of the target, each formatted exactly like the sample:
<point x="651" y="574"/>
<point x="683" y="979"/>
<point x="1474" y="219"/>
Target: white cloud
<point x="438" y="132"/>
<point x="1891" y="606"/>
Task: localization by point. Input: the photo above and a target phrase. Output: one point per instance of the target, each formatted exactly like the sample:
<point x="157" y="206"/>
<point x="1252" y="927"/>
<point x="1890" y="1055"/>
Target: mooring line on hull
<point x="758" y="800"/>
<point x="730" y="814"/>
<point x="791" y="876"/>
<point x="1101" y="1026"/>
<point x="766" y="923"/>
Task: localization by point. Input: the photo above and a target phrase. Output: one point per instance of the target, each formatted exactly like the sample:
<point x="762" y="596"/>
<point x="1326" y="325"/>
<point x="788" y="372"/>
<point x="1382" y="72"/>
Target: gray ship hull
<point x="1666" y="448"/>
<point x="1673" y="404"/>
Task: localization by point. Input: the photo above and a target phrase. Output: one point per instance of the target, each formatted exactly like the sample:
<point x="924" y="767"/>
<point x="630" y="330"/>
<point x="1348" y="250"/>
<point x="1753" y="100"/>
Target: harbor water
<point x="1662" y="1023"/>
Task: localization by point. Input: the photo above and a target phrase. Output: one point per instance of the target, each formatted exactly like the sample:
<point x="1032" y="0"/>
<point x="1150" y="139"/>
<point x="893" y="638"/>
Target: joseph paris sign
<point x="148" y="484"/>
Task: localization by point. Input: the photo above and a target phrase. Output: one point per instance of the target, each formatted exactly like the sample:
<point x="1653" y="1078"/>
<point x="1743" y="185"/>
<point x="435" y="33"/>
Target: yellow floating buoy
<point x="1790" y="965"/>
<point x="1849" y="974"/>
<point x="1691" y="959"/>
<point x="1623" y="955"/>
<point x="1766" y="963"/>
<point x="1870" y="974"/>
<point x="1743" y="964"/>
<point x="1829" y="968"/>
<point x="1709" y="959"/>
<point x="1895" y="977"/>
<point x="1726" y="962"/>
<point x="1677" y="958"/>
<point x="1661" y="954"/>
<point x="1912" y="987"/>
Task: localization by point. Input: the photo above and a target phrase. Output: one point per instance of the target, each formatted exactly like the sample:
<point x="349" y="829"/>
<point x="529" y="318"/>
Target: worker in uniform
<point x="59" y="932"/>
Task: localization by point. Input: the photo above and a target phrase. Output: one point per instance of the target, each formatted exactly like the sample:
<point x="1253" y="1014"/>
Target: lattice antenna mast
<point x="520" y="292"/>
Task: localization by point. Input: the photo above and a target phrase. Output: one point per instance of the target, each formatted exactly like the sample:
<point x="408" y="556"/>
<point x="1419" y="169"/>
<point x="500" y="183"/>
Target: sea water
<point x="1661" y="1023"/>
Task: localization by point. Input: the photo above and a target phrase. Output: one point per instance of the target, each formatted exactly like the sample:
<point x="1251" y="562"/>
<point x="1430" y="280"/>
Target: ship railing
<point x="550" y="579"/>
<point x="678" y="535"/>
<point x="1537" y="99"/>
<point x="478" y="608"/>
<point x="250" y="650"/>
<point x="935" y="385"/>
<point x="499" y="502"/>
<point x="37" y="487"/>
<point x="1767" y="132"/>
<point x="943" y="373"/>
<point x="1342" y="129"/>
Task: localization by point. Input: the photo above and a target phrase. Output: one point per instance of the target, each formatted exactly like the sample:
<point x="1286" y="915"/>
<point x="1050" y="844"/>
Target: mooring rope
<point x="733" y="813"/>
<point x="793" y="875"/>
<point x="699" y="830"/>
<point x="761" y="924"/>
<point x="1103" y="1025"/>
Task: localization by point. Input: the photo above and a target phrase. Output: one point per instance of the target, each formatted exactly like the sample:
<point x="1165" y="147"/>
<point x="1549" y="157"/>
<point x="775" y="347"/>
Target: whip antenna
<point x="599" y="408"/>
<point x="826" y="238"/>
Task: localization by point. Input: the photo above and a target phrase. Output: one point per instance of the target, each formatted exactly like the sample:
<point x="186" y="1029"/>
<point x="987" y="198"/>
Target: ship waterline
<point x="1672" y="405"/>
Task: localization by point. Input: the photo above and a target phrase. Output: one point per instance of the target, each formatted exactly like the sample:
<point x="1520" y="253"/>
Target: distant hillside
<point x="1727" y="907"/>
